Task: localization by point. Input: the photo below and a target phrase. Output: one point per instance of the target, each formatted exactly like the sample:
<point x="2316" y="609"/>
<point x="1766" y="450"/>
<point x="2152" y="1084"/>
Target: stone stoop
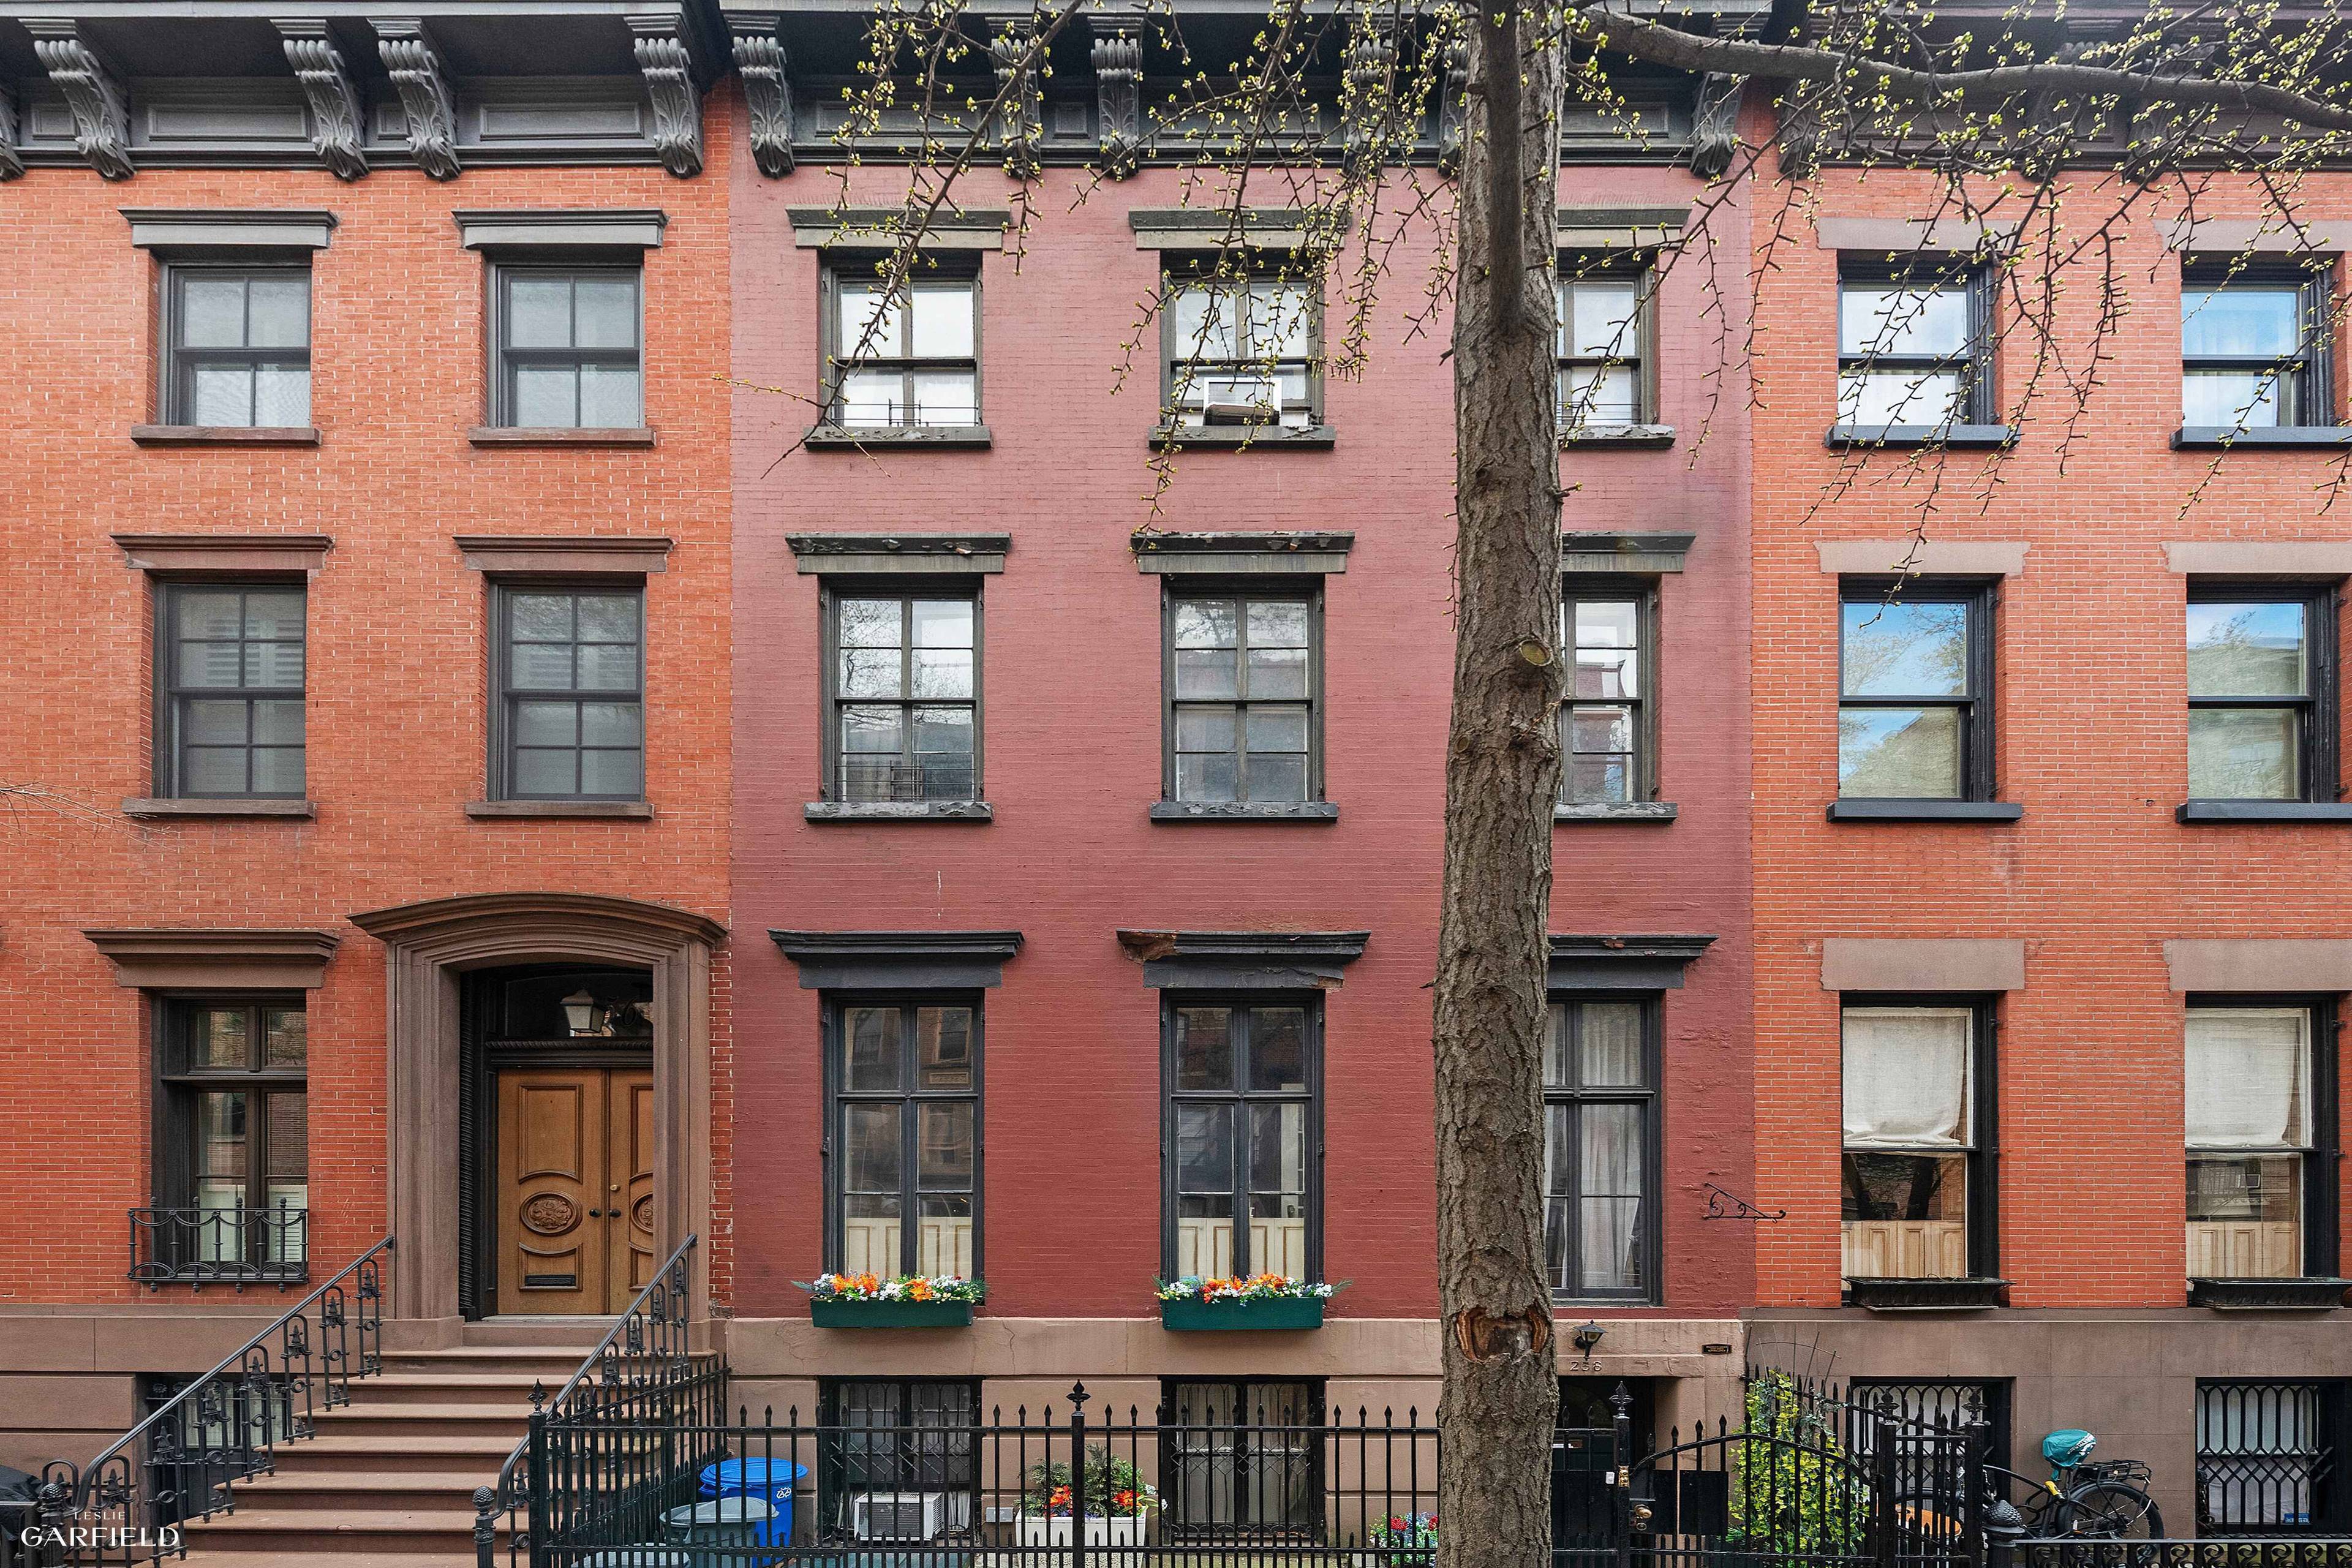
<point x="389" y="1480"/>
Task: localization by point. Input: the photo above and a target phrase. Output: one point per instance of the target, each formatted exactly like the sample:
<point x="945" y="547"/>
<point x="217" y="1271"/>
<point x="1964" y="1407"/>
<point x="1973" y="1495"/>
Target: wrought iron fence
<point x="236" y="1246"/>
<point x="125" y="1506"/>
<point x="640" y="1389"/>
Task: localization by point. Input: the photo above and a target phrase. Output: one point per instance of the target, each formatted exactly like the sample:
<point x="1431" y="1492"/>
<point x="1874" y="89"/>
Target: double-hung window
<point x="1243" y="1138"/>
<point x="238" y="345"/>
<point x="1914" y="687"/>
<point x="2261" y="1189"/>
<point x="2253" y="347"/>
<point x="1601" y="341"/>
<point x="1606" y="738"/>
<point x="1913" y="347"/>
<point x="904" y="724"/>
<point x="233" y="1163"/>
<point x="229" y="716"/>
<point x="1242" y="691"/>
<point x="1240" y="349"/>
<point x="570" y="674"/>
<point x="1600" y="1147"/>
<point x="906" y="1126"/>
<point x="1918" y="1182"/>
<point x="2262" y="694"/>
<point x="569" y="348"/>
<point x="902" y="359"/>
<point x="2268" y="1457"/>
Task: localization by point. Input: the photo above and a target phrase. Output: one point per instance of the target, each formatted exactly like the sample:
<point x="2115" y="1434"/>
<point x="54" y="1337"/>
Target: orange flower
<point x="918" y="1289"/>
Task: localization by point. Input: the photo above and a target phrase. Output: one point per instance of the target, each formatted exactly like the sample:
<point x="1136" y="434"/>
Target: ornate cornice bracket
<point x="667" y="66"/>
<point x="101" y="111"/>
<point x="767" y="89"/>
<point x="1021" y="117"/>
<point x="12" y="157"/>
<point x="1117" y="57"/>
<point x="1715" y="126"/>
<point x="1370" y="90"/>
<point x="425" y="95"/>
<point x="335" y="123"/>
<point x="1453" y="101"/>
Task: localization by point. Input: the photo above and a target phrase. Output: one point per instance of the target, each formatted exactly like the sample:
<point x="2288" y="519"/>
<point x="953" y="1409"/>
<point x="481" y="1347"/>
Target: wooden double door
<point x="575" y="1197"/>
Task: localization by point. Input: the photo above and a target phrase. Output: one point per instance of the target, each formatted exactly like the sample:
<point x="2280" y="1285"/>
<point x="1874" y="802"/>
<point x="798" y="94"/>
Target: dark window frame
<point x="2334" y="1498"/>
<point x="1242" y="1096"/>
<point x="175" y="389"/>
<point x="1978" y="365"/>
<point x="831" y="590"/>
<point x="833" y="1501"/>
<point x="177" y="1085"/>
<point x="1240" y="1455"/>
<point x="1983" y="1194"/>
<point x="2307" y="394"/>
<point x="1571" y="268"/>
<point x="1180" y="269"/>
<point x="504" y="694"/>
<point x="169" y="765"/>
<point x="938" y="267"/>
<point x="833" y="1145"/>
<point x="1595" y="588"/>
<point x="2323" y="1160"/>
<point x="1650" y="1096"/>
<point x="1979" y="712"/>
<point x="1945" y="1404"/>
<point x="505" y="357"/>
<point x="2318" y="767"/>
<point x="1304" y="589"/>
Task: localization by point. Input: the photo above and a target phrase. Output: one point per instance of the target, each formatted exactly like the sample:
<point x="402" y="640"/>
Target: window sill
<point x="899" y="811"/>
<point x="1898" y="810"/>
<point x="534" y="435"/>
<point x="1243" y="811"/>
<point x="844" y="439"/>
<point x="2304" y="436"/>
<point x="1617" y="811"/>
<point x="2268" y="1295"/>
<point x="158" y="807"/>
<point x="1844" y="437"/>
<point x="1630" y="436"/>
<point x="224" y="435"/>
<point x="1927" y="1295"/>
<point x="2264" y="811"/>
<point x="621" y="810"/>
<point x="1300" y="437"/>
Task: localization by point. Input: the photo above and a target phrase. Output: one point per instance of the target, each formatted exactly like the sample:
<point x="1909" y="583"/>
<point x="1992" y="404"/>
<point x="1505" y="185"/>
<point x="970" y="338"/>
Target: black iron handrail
<point x="646" y="1353"/>
<point x="226" y="1425"/>
<point x="236" y="1246"/>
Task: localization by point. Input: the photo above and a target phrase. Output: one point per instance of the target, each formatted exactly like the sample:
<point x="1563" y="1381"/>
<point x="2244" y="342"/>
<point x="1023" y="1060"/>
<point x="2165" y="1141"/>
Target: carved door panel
<point x="629" y="1184"/>
<point x="553" y="1240"/>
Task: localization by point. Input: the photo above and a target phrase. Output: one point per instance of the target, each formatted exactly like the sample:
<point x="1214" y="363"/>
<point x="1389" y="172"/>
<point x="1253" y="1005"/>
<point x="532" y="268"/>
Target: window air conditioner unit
<point x="897" y="1516"/>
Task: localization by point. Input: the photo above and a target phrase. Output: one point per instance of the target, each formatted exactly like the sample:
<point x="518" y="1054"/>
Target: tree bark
<point x="1502" y="774"/>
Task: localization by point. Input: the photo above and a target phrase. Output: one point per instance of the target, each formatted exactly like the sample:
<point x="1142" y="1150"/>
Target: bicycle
<point x="2084" y="1499"/>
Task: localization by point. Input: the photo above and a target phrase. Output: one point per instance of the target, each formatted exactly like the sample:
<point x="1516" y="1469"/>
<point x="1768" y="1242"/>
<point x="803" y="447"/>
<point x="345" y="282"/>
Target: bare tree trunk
<point x="1502" y="773"/>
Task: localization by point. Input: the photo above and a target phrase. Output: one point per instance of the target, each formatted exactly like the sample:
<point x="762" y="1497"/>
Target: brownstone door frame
<point x="429" y="948"/>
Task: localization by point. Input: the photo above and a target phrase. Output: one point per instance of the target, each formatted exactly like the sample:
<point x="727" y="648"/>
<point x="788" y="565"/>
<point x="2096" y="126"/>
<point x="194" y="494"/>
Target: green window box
<point x="1282" y="1312"/>
<point x="839" y="1314"/>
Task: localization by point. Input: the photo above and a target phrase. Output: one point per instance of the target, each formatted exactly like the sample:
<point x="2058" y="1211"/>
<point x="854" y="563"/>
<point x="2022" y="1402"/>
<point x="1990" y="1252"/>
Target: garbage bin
<point x="718" y="1534"/>
<point x="769" y="1480"/>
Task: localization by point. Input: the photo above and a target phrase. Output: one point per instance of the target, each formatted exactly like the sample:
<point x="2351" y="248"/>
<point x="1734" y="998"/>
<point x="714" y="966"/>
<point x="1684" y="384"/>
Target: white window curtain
<point x="2247" y="1083"/>
<point x="1907" y="1077"/>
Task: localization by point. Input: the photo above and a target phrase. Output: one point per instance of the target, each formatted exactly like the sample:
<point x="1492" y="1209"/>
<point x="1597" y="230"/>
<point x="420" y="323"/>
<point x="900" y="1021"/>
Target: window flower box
<point x="1265" y="1302"/>
<point x="1114" y="1533"/>
<point x="909" y="1301"/>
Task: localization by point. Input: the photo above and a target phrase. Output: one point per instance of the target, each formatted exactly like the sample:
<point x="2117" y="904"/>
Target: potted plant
<point x="1261" y="1301"/>
<point x="1118" y="1504"/>
<point x="1402" y="1540"/>
<point x="907" y="1301"/>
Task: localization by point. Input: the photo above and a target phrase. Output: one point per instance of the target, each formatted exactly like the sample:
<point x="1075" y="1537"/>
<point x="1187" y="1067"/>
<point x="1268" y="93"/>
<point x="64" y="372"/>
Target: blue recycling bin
<point x="767" y="1479"/>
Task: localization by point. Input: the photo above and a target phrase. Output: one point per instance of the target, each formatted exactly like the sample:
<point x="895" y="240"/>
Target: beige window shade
<point x="1908" y="1080"/>
<point x="2247" y="1084"/>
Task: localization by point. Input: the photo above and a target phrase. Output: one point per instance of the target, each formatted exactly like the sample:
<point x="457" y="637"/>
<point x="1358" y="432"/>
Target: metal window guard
<point x="233" y="1247"/>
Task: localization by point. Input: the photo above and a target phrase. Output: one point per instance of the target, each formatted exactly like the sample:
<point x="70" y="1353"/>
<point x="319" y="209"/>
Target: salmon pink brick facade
<point x="2038" y="905"/>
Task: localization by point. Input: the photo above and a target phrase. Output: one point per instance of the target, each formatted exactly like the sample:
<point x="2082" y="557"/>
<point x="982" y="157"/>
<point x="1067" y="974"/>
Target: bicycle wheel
<point x="2110" y="1511"/>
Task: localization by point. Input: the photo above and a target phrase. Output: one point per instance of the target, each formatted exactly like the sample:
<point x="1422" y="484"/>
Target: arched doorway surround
<point x="428" y="947"/>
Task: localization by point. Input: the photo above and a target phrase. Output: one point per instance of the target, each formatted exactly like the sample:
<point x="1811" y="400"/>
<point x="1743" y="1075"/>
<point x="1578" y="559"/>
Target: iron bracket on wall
<point x="1721" y="1204"/>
